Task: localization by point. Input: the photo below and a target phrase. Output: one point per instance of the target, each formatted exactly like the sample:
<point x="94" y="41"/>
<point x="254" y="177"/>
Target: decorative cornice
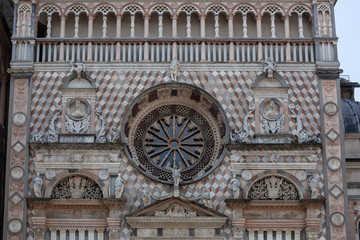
<point x="105" y="203"/>
<point x="76" y="146"/>
<point x="272" y="146"/>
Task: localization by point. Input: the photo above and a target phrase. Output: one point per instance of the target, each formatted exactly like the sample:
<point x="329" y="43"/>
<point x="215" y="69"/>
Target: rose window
<point x="175" y="128"/>
<point x="174" y="142"/>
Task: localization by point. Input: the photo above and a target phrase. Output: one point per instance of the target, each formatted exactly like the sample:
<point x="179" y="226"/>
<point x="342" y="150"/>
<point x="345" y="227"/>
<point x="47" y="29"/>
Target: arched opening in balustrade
<point x="275" y="30"/>
<point x="138" y="27"/>
<point x="107" y="30"/>
<point x="247" y="30"/>
<point x="48" y="25"/>
<point x="70" y="27"/>
<point x="300" y="20"/>
<point x="160" y="25"/>
<point x="184" y="28"/>
<point x="211" y="25"/>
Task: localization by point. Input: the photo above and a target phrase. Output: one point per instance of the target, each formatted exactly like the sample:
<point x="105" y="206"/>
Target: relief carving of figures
<point x="273" y="188"/>
<point x="37" y="137"/>
<point x="242" y="135"/>
<point x="100" y="135"/>
<point x="38" y="183"/>
<point x="77" y="187"/>
<point x="146" y="196"/>
<point x="76" y="158"/>
<point x="53" y="135"/>
<point x="302" y="135"/>
<point x="315" y="185"/>
<point x="77" y="67"/>
<point x="78" y="117"/>
<point x="119" y="186"/>
<point x="175" y="210"/>
<point x="114" y="135"/>
<point x="271" y="118"/>
<point x="235" y="187"/>
<point x="174" y="69"/>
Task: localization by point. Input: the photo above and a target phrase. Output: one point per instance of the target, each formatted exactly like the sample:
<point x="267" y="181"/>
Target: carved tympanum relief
<point x="77" y="187"/>
<point x="271" y="116"/>
<point x="175" y="210"/>
<point x="77" y="117"/>
<point x="273" y="188"/>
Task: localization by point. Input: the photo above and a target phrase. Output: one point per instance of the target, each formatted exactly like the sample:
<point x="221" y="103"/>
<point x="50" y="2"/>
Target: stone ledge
<point x="77" y="146"/>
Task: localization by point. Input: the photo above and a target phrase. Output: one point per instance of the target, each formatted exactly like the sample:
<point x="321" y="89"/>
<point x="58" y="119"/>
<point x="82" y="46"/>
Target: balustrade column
<point x="62" y="35"/>
<point x="72" y="233"/>
<point x="300" y="26"/>
<point x="90" y="35"/>
<point x="245" y="30"/>
<point x="118" y="35"/>
<point x="297" y="235"/>
<point x="202" y="34"/>
<point x="48" y="26"/>
<point x="91" y="234"/>
<point x="279" y="234"/>
<point x="188" y="25"/>
<point x="231" y="35"/>
<point x="273" y="28"/>
<point x="81" y="233"/>
<point x="288" y="234"/>
<point x="33" y="17"/>
<point x="251" y="234"/>
<point x="287" y="35"/>
<point x="62" y="234"/>
<point x="174" y="18"/>
<point x="146" y="35"/>
<point x="104" y="26"/>
<point x="269" y="234"/>
<point x="100" y="235"/>
<point x="259" y="35"/>
<point x="53" y="233"/>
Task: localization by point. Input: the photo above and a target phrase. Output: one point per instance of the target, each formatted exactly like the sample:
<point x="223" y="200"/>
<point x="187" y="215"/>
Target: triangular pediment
<point x="175" y="212"/>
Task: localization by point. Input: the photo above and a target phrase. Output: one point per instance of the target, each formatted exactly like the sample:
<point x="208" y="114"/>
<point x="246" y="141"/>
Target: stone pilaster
<point x="333" y="153"/>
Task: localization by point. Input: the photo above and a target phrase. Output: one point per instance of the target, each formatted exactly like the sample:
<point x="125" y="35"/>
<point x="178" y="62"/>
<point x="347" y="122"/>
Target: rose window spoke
<point x="174" y="142"/>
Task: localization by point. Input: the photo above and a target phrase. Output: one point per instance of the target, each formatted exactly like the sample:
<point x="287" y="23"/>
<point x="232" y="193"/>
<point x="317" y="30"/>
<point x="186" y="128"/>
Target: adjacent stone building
<point x="175" y="120"/>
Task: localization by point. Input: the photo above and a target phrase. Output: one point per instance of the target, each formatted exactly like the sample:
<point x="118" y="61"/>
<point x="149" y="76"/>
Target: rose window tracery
<point x="175" y="127"/>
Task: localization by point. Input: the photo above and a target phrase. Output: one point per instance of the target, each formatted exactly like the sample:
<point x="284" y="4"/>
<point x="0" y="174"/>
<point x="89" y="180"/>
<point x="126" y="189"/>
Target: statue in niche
<point x="78" y="112"/>
<point x="38" y="183"/>
<point x="174" y="69"/>
<point x="119" y="186"/>
<point x="235" y="186"/>
<point x="176" y="176"/>
<point x="270" y="67"/>
<point x="77" y="67"/>
<point x="315" y="185"/>
<point x="271" y="110"/>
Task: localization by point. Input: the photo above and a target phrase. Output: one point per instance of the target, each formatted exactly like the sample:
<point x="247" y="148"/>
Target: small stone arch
<point x="216" y="9"/>
<point x="105" y="9"/>
<point x="299" y="9"/>
<point x="188" y="9"/>
<point x="77" y="9"/>
<point x="272" y="9"/>
<point x="132" y="9"/>
<point x="160" y="8"/>
<point x="50" y="9"/>
<point x="85" y="81"/>
<point x="244" y="8"/>
<point x="290" y="179"/>
<point x="77" y="172"/>
<point x="275" y="81"/>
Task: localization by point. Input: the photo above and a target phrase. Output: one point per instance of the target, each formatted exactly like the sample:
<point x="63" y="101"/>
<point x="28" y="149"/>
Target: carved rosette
<point x="175" y="126"/>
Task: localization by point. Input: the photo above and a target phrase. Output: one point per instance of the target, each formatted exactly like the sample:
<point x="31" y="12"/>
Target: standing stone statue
<point x="146" y="196"/>
<point x="119" y="186"/>
<point x="207" y="198"/>
<point x="174" y="69"/>
<point x="38" y="183"/>
<point x="78" y="67"/>
<point x="270" y="67"/>
<point x="315" y="184"/>
<point x="235" y="186"/>
<point x="176" y="176"/>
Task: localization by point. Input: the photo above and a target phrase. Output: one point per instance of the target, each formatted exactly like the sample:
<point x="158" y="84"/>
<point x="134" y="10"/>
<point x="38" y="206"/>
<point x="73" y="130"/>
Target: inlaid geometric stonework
<point x="16" y="199"/>
<point x="18" y="147"/>
<point x="77" y="187"/>
<point x="336" y="191"/>
<point x="332" y="135"/>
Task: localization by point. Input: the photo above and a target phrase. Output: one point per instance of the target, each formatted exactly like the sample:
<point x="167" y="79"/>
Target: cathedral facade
<point x="175" y="120"/>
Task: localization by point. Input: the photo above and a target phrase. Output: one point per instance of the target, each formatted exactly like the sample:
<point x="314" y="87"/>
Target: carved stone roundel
<point x="175" y="126"/>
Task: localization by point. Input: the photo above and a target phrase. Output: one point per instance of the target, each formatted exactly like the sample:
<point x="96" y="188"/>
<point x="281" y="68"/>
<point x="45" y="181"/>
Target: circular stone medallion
<point x="172" y="126"/>
<point x="50" y="174"/>
<point x="103" y="174"/>
<point x="301" y="175"/>
<point x="337" y="219"/>
<point x="19" y="118"/>
<point x="334" y="163"/>
<point x="246" y="175"/>
<point x="17" y="172"/>
<point x="15" y="226"/>
<point x="330" y="108"/>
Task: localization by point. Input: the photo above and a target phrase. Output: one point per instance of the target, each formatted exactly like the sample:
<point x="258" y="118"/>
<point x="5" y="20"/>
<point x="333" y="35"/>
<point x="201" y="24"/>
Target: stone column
<point x="332" y="10"/>
<point x="100" y="232"/>
<point x="62" y="35"/>
<point x="259" y="35"/>
<point x="15" y="18"/>
<point x="287" y="35"/>
<point x="81" y="233"/>
<point x="53" y="233"/>
<point x="3" y="81"/>
<point x="118" y="35"/>
<point x="72" y="233"/>
<point x="90" y="35"/>
<point x="174" y="18"/>
<point x="316" y="32"/>
<point x="33" y="17"/>
<point x="202" y="35"/>
<point x="231" y="35"/>
<point x="146" y="35"/>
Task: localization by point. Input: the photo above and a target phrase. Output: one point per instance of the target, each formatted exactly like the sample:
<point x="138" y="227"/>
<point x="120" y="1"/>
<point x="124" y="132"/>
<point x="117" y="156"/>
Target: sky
<point x="348" y="32"/>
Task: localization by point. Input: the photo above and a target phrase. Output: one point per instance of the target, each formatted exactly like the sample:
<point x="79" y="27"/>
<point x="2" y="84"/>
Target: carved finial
<point x="77" y="67"/>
